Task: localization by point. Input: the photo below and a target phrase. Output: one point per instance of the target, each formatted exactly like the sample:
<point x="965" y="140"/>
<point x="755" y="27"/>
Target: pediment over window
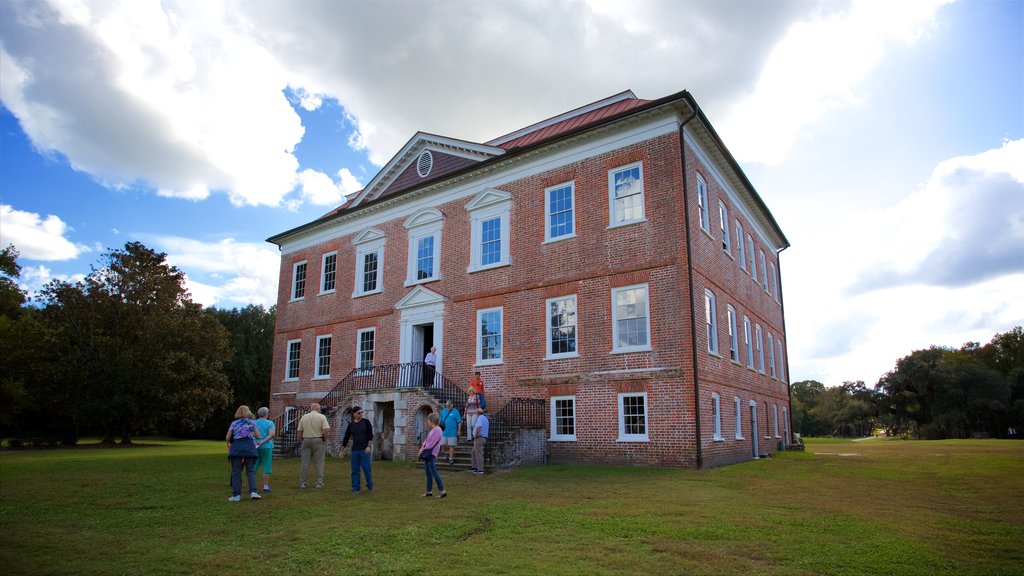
<point x="489" y="197"/>
<point x="424" y="217"/>
<point x="419" y="296"/>
<point x="368" y="235"/>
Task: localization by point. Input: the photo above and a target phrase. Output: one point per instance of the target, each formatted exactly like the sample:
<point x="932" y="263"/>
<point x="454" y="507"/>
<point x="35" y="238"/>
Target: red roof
<point x="573" y="123"/>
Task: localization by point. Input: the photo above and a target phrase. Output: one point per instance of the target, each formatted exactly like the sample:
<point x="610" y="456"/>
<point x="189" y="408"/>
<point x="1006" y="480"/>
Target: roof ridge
<point x="608" y="101"/>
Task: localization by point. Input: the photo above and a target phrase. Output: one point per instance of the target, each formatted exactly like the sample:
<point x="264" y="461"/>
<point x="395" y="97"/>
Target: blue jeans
<point x="361" y="460"/>
<point x="237" y="463"/>
<point x="430" y="467"/>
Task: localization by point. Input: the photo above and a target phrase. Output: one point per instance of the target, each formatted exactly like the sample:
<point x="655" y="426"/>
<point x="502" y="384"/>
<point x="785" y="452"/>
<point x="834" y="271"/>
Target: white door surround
<point x="420" y="306"/>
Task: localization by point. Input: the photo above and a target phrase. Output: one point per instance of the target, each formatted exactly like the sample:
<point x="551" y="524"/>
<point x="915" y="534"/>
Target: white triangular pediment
<point x="424" y="217"/>
<point x="419" y="296"/>
<point x="489" y="197"/>
<point x="368" y="235"/>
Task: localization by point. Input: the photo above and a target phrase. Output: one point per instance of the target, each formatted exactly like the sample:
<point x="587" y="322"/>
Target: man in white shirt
<point x="429" y="367"/>
<point x="480" y="432"/>
<point x="313" y="427"/>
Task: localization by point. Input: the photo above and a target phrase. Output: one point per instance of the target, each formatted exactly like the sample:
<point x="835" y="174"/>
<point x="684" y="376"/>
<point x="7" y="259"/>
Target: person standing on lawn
<point x="428" y="453"/>
<point x="241" y="438"/>
<point x="313" y="427"/>
<point x="265" y="446"/>
<point x="480" y="432"/>
<point x="452" y="426"/>
<point x="361" y="432"/>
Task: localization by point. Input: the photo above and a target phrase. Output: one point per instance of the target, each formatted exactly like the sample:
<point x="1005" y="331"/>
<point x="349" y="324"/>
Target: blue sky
<point x="887" y="138"/>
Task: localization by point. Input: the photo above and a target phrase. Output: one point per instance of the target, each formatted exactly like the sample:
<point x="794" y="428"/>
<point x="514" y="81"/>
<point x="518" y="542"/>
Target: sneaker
<point x="319" y="484"/>
<point x="478" y="472"/>
<point x="427" y="494"/>
<point x="302" y="485"/>
<point x="356" y="492"/>
<point x="254" y="495"/>
<point x="451" y="461"/>
<point x="472" y="470"/>
<point x="235" y="499"/>
<point x="266" y="488"/>
<point x="443" y="494"/>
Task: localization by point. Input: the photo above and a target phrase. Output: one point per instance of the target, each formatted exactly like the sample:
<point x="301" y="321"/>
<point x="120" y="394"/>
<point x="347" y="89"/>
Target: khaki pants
<point x="312" y="448"/>
<point x="478" y="452"/>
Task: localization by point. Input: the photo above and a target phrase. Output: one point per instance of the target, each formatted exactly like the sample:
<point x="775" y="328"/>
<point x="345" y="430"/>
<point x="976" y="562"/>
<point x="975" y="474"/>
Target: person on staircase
<point x="481" y="430"/>
<point x="451" y="424"/>
<point x="472" y="405"/>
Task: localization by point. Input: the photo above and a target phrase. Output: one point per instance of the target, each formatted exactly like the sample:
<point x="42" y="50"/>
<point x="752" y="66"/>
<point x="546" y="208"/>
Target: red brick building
<point x="613" y="264"/>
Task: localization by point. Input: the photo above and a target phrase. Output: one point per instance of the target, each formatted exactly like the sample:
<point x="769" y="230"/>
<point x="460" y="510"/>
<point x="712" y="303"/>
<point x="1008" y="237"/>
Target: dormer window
<point x="424" y="163"/>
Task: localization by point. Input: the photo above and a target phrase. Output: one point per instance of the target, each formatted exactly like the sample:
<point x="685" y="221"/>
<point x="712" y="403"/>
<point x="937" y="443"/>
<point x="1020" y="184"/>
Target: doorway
<point x="384" y="430"/>
<point x="422" y="342"/>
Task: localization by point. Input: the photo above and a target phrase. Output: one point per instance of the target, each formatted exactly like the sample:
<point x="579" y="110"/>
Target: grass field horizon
<point x="883" y="507"/>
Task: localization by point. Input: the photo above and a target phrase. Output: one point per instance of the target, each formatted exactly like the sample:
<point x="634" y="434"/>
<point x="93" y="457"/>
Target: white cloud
<point x="37" y="238"/>
<point x="319" y="189"/>
<point x="33" y="278"/>
<point x="817" y="68"/>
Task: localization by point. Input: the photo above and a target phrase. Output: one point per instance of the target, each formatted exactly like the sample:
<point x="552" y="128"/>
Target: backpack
<point x="443" y="418"/>
<point x="483" y="401"/>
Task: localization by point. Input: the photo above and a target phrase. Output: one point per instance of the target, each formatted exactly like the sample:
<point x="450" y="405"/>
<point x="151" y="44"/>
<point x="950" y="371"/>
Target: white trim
<point x="359" y="341"/>
<point x="723" y="227"/>
<point x="288" y="360"/>
<point x="782" y="361"/>
<point x="734" y="336"/>
<point x="748" y="338"/>
<point x="623" y="436"/>
<point x="775" y="419"/>
<point x="554" y="436"/>
<point x="420" y="296"/>
<point x="316" y="361"/>
<point x="739" y="417"/>
<point x="612" y="199"/>
<point x="576" y="328"/>
<point x="771" y="355"/>
<point x="703" y="210"/>
<point x="631" y="370"/>
<point x="323" y="273"/>
<point x="424" y="217"/>
<point x="711" y="321"/>
<point x="741" y="247"/>
<point x="368" y="235"/>
<point x="764" y="272"/>
<point x="760" y="347"/>
<point x="487" y="206"/>
<point x="480" y="361"/>
<point x="305" y="280"/>
<point x="361" y="254"/>
<point x="616" y="349"/>
<point x="547" y="211"/>
<point x="716" y="417"/>
<point x="753" y="258"/>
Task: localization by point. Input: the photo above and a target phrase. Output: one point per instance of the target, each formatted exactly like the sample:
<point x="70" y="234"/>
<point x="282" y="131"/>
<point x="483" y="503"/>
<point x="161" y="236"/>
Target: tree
<point x="22" y="340"/>
<point x="136" y="353"/>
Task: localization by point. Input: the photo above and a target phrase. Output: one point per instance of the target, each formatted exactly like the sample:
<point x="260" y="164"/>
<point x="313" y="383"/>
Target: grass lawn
<point x="881" y="507"/>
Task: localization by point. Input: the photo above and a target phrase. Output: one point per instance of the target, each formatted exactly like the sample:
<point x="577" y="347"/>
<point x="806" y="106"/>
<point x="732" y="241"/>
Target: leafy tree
<point x="135" y="352"/>
<point x="22" y="339"/>
<point x="806" y="397"/>
<point x="11" y="296"/>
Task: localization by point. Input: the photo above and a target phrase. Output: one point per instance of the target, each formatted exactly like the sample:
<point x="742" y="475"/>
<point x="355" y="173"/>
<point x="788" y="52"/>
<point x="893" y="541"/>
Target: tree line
<point x="125" y="352"/>
<point x="974" y="391"/>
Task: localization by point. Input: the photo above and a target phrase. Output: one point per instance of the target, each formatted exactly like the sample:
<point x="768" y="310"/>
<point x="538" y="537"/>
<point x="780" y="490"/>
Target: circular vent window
<point x="425" y="163"/>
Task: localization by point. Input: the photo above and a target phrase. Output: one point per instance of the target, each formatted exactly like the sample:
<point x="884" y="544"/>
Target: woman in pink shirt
<point x="428" y="453"/>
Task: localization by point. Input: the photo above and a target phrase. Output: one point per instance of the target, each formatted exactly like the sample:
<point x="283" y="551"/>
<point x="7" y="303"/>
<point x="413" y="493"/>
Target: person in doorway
<point x="265" y="446"/>
<point x="361" y="432"/>
<point x="241" y="438"/>
<point x="472" y="405"/>
<point x="452" y="426"/>
<point x="313" y="428"/>
<point x="429" y="367"/>
<point x="480" y="432"/>
<point x="428" y="453"/>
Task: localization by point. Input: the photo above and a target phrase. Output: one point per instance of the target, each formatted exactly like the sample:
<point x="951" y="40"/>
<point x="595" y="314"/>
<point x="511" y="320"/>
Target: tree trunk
<point x="126" y="438"/>
<point x="108" y="437"/>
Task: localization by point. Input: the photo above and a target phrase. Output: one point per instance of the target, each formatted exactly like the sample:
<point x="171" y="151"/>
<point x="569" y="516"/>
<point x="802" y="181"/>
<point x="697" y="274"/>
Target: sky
<point x="887" y="138"/>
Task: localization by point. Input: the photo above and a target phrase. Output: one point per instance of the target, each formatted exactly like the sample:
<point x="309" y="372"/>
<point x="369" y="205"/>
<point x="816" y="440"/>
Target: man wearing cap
<point x="480" y="431"/>
<point x="451" y="423"/>
<point x="361" y="432"/>
<point x="313" y="427"/>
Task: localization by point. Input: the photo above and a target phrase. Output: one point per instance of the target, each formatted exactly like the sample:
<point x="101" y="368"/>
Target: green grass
<point x="859" y="508"/>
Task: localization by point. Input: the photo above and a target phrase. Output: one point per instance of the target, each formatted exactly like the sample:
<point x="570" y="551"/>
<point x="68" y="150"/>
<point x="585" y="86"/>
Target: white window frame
<point x="771" y="355"/>
<point x="548" y="327"/>
<point x="612" y="213"/>
<point x="775" y="419"/>
<point x="775" y="281"/>
<point x="571" y="185"/>
<point x="616" y="349"/>
<point x="760" y="348"/>
<point x="487" y="206"/>
<point x="723" y="223"/>
<point x="295" y="280"/>
<point x="480" y="360"/>
<point x="323" y="273"/>
<point x="734" y="337"/>
<point x="711" y="321"/>
<point x="740" y="248"/>
<point x="764" y="272"/>
<point x="363" y="370"/>
<point x="782" y="362"/>
<point x="716" y="416"/>
<point x="702" y="204"/>
<point x="623" y="436"/>
<point x="739" y="417"/>
<point x="317" y="374"/>
<point x="288" y="360"/>
<point x="753" y="258"/>
<point x="747" y="336"/>
<point x="555" y="436"/>
<point x="361" y="271"/>
<point x="426" y="223"/>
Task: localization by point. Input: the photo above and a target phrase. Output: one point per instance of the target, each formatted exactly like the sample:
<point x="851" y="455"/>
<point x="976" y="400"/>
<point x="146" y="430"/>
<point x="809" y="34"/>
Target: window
<point x="782" y="361"/>
<point x="775" y="419"/>
<point x="739" y="418"/>
<point x="328" y="268"/>
<point x="299" y="280"/>
<point x="291" y="363"/>
<point x="489" y="220"/>
<point x="764" y="272"/>
<point x="633" y="417"/>
<point x="711" y="320"/>
<point x="775" y="281"/>
<point x="716" y="414"/>
<point x="424" y="261"/>
<point x="753" y="263"/>
<point x="365" y="344"/>
<point x="290" y="422"/>
<point x="631" y="315"/>
<point x="760" y="350"/>
<point x="369" y="247"/>
<point x="739" y="245"/>
<point x="488" y="336"/>
<point x="559" y="212"/>
<point x="734" y="339"/>
<point x="562" y="327"/>
<point x="323" y="357"/>
<point x="425" y="258"/>
<point x="749" y="342"/>
<point x="626" y="194"/>
<point x="771" y="356"/>
<point x="563" y="418"/>
<point x="702" y="204"/>
<point x="723" y="222"/>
